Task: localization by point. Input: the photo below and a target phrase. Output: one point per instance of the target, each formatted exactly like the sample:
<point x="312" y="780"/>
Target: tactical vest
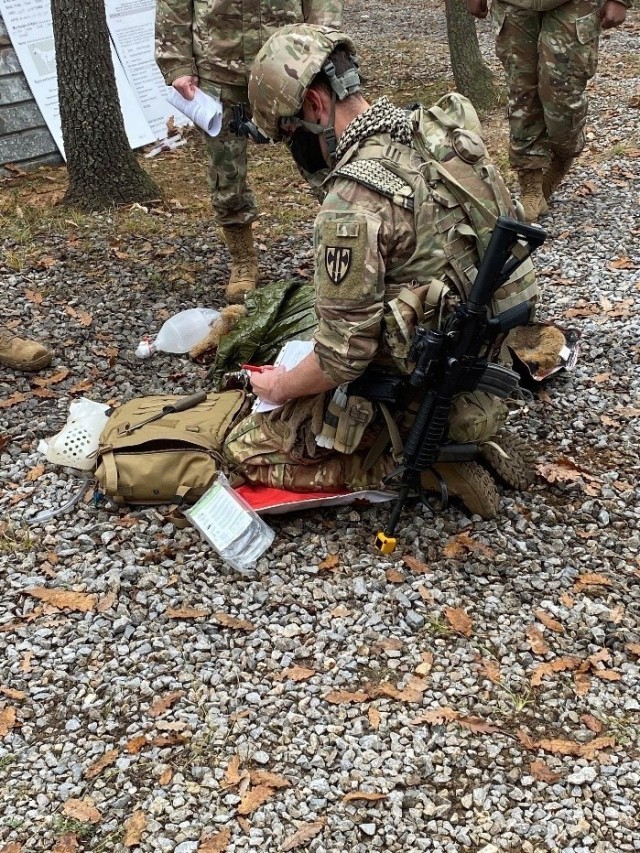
<point x="456" y="194"/>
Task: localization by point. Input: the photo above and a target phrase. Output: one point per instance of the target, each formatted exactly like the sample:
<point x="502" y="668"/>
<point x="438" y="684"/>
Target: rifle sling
<point x="389" y="432"/>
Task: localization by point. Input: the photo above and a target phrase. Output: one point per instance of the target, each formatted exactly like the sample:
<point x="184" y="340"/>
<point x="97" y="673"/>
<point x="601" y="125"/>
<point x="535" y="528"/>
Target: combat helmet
<point x="285" y="67"/>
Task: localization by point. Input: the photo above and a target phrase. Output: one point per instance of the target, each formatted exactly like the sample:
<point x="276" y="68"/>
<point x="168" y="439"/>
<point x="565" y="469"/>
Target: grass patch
<point x="15" y="539"/>
<point x="63" y="825"/>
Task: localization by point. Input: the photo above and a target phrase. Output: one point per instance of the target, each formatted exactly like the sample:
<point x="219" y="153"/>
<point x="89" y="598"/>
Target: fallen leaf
<point x="232" y="773"/>
<point x="408" y="693"/>
<point x="12" y="693"/>
<point x="538" y="643"/>
<point x="374" y="718"/>
<point x="330" y="563"/>
<point x="567" y="600"/>
<point x="436" y="717"/>
<point x="136" y="743"/>
<point x="607" y="674"/>
<point x="306" y="832"/>
<point x="217" y="843"/>
<point x="232" y="622"/>
<point x="84" y="318"/>
<point x="491" y="670"/>
<point x="33" y="296"/>
<point x="34" y="473"/>
<point x="254" y="798"/>
<point x="64" y="599"/>
<point x="244" y="824"/>
<point x="167" y="740"/>
<point x="133" y="828"/>
<point x="582" y="683"/>
<point x="7" y="719"/>
<point x="294" y="673"/>
<point x="540" y="771"/>
<point x="185" y="613"/>
<point x="340" y="612"/>
<point x="98" y="766"/>
<point x="387" y="644"/>
<point x="592" y="723"/>
<point x="560" y="746"/>
<point x="590" y="579"/>
<point x="634" y="648"/>
<point x="478" y="726"/>
<point x="163" y="703"/>
<point x="426" y="665"/>
<point x="425" y="595"/>
<point x="589" y="750"/>
<point x="106" y="602"/>
<point x="344" y="697"/>
<point x="166" y="776"/>
<point x="416" y="566"/>
<point x="80" y="387"/>
<point x="53" y="379"/>
<point x="15" y="398"/>
<point x="548" y="621"/>
<point x="557" y="665"/>
<point x="464" y="543"/>
<point x="459" y="620"/>
<point x="564" y="471"/>
<point x="623" y="263"/>
<point x="363" y="795"/>
<point x="67" y="843"/>
<point x="25" y="664"/>
<point x="82" y="810"/>
<point x="394" y="576"/>
<point x="270" y="780"/>
<point x="527" y="740"/>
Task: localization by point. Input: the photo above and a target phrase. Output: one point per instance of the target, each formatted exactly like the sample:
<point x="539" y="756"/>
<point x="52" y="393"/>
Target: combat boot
<point x="511" y="458"/>
<point x="244" y="262"/>
<point x="533" y="201"/>
<point x="555" y="174"/>
<point x="21" y="353"/>
<point x="467" y="481"/>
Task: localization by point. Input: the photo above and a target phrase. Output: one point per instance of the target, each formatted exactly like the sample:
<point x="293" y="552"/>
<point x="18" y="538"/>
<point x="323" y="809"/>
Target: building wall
<point x="24" y="137"/>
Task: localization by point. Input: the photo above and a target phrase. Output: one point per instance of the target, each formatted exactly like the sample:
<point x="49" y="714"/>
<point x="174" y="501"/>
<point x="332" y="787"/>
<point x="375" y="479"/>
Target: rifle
<point x="455" y="359"/>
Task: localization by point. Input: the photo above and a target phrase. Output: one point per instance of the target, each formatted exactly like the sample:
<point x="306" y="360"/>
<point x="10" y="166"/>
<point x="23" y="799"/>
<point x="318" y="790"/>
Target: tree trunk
<point x="472" y="75"/>
<point x="103" y="170"/>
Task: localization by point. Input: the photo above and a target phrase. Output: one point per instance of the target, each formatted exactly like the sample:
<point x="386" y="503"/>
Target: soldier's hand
<point x="612" y="14"/>
<point x="268" y="384"/>
<point x="186" y="85"/>
<point x="478" y="8"/>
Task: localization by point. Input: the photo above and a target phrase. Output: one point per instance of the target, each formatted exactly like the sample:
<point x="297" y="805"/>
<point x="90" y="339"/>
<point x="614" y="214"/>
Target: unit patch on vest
<point x="337" y="261"/>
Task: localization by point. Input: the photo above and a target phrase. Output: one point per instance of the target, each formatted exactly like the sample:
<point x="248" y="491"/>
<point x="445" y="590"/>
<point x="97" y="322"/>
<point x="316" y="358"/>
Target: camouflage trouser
<point x="255" y="448"/>
<point x="548" y="57"/>
<point x="232" y="200"/>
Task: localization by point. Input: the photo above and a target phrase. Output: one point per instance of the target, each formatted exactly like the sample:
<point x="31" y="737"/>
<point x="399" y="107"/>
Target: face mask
<point x="306" y="151"/>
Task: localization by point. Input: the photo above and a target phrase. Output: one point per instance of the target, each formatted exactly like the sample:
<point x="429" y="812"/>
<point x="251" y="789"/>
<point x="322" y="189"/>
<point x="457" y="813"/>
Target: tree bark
<point x="103" y="170"/>
<point x="472" y="75"/>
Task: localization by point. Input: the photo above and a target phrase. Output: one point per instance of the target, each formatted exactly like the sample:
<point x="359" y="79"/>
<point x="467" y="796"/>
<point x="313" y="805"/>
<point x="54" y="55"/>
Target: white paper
<point x="291" y="354"/>
<point x="220" y="518"/>
<point x="203" y="110"/>
<point x="132" y="28"/>
<point x="29" y="25"/>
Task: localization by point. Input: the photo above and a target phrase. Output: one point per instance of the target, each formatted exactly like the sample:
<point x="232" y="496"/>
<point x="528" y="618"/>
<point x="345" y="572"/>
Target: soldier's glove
<point x="242" y="126"/>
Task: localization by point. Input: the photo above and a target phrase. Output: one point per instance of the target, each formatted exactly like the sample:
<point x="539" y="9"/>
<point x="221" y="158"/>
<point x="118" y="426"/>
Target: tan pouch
<point x="171" y="459"/>
<point x="353" y="420"/>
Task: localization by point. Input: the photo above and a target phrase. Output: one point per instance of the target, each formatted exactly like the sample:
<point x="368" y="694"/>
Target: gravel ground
<point x="335" y="693"/>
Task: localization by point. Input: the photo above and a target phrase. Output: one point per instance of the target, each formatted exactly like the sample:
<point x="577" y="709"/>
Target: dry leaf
<point x="634" y="648"/>
<point x="557" y="665"/>
<point x="592" y="723"/>
<point x="15" y="398"/>
<point x="166" y="776"/>
<point x="244" y="824"/>
<point x="232" y="622"/>
<point x="25" y="665"/>
<point x="136" y="743"/>
<point x="589" y="750"/>
<point x="294" y="673"/>
<point x="53" y="379"/>
<point x="167" y="740"/>
<point x="567" y="600"/>
<point x="185" y="613"/>
<point x="426" y="665"/>
<point x="436" y="717"/>
<point x="133" y="828"/>
<point x="582" y="683"/>
<point x="459" y="620"/>
<point x="464" y="543"/>
<point x="68" y="843"/>
<point x="330" y="563"/>
<point x="549" y="622"/>
<point x="538" y="643"/>
<point x="12" y="693"/>
<point x="271" y="780"/>
<point x="34" y="473"/>
<point x="607" y="674"/>
<point x="306" y="832"/>
<point x="217" y="843"/>
<point x="394" y="576"/>
<point x="415" y="565"/>
<point x="540" y="771"/>
<point x="343" y="697"/>
<point x="527" y="740"/>
<point x="616" y="614"/>
<point x="591" y="579"/>
<point x="254" y="798"/>
<point x="232" y="774"/>
<point x="477" y="725"/>
<point x="363" y="795"/>
<point x="425" y="595"/>
<point x="98" y="766"/>
<point x="83" y="810"/>
<point x="340" y="611"/>
<point x="560" y="746"/>
<point x="491" y="669"/>
<point x="64" y="599"/>
<point x="7" y="720"/>
<point x="409" y="693"/>
<point x="374" y="718"/>
<point x="106" y="602"/>
<point x="163" y="703"/>
<point x="33" y="296"/>
<point x="599" y="657"/>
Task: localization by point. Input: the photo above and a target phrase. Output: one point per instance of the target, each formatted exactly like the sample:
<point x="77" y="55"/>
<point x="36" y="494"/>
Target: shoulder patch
<point x="375" y="176"/>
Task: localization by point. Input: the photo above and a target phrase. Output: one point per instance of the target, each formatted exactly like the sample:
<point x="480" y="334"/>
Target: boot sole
<point x="27" y="367"/>
<point x="516" y="471"/>
<point x="470" y="483"/>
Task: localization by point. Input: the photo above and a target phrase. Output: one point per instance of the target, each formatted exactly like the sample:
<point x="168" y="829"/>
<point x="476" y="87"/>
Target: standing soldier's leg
<point x="517" y="36"/>
<point x="233" y="202"/>
<point x="569" y="58"/>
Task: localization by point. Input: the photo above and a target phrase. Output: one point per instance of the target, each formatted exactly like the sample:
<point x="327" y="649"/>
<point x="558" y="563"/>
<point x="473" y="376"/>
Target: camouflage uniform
<point x="216" y="40"/>
<point x="549" y="50"/>
<point x="367" y="249"/>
